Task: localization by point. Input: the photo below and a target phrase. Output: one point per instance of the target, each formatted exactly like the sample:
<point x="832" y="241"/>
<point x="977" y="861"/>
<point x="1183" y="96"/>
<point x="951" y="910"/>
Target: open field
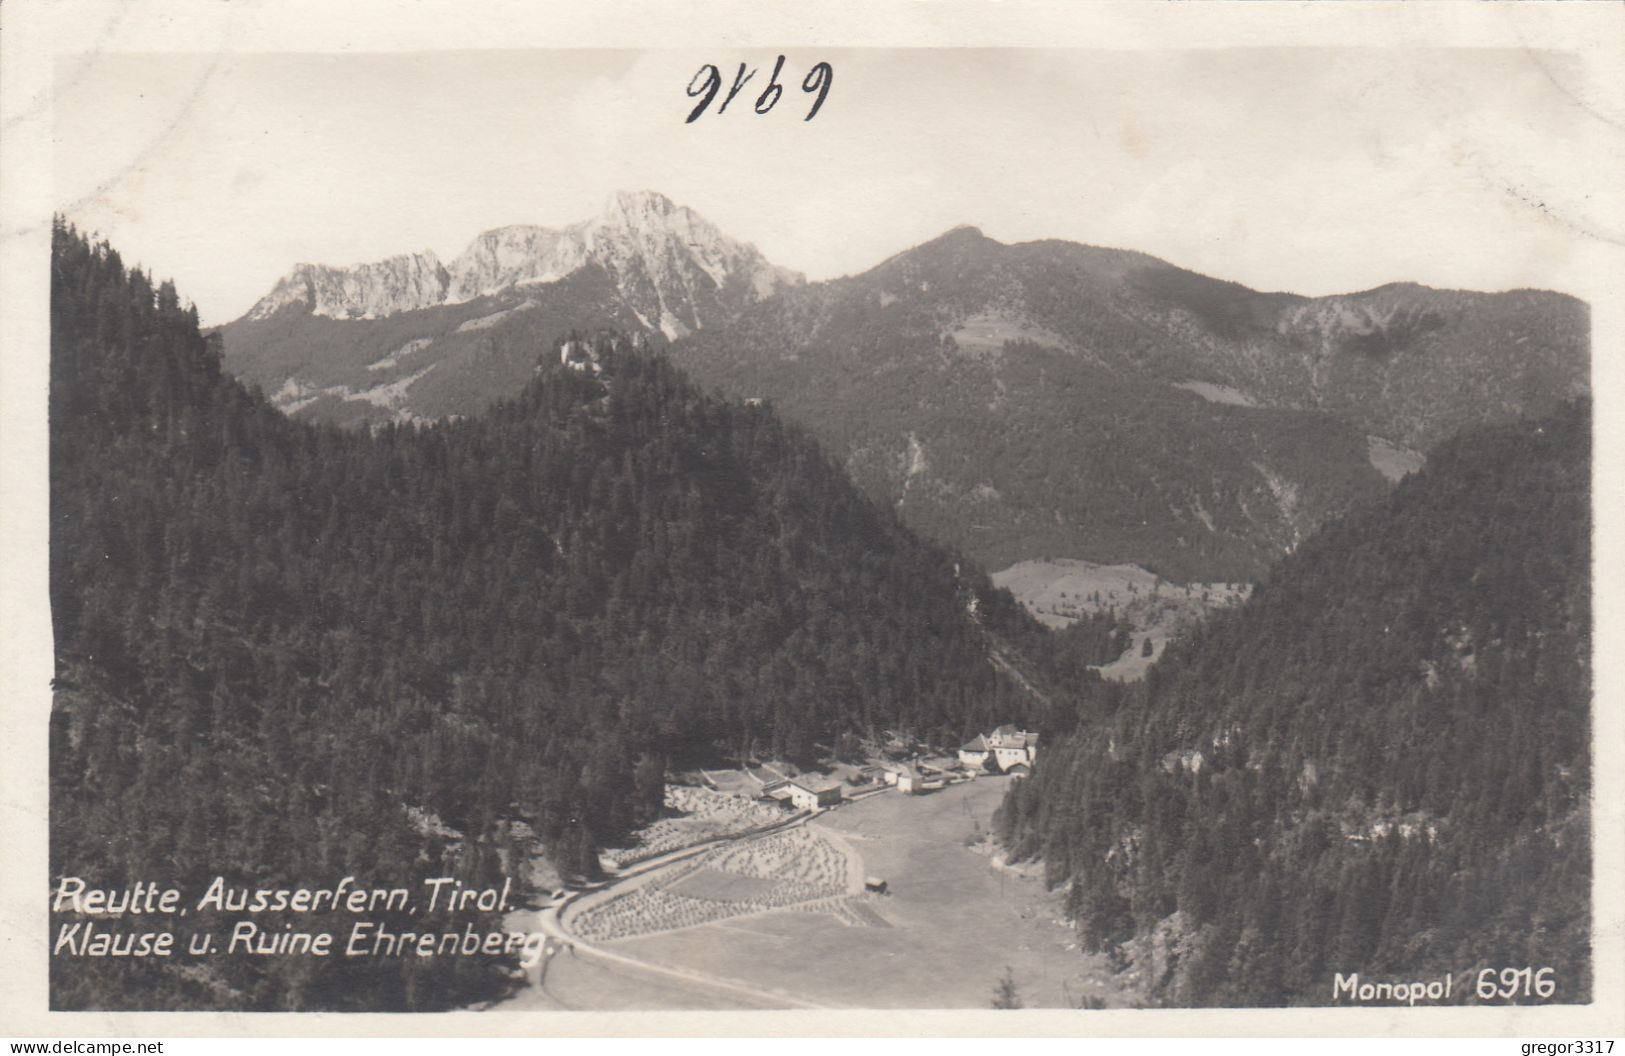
<point x="985" y="333"/>
<point x="1392" y="460"/>
<point x="1059" y="591"/>
<point x="941" y="939"/>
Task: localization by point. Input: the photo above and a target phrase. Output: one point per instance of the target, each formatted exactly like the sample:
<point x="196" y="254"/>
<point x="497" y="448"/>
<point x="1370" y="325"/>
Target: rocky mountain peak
<point x="502" y="258"/>
<point x="364" y="291"/>
<point x="676" y="270"/>
<point x="639" y="204"/>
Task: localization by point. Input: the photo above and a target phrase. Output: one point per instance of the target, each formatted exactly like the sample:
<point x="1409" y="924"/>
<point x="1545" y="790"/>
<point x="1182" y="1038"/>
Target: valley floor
<point x="1059" y="591"/>
<point x="953" y="921"/>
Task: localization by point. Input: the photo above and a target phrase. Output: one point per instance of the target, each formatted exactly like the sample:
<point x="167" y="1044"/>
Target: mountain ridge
<point x="661" y="254"/>
<point x="1204" y="427"/>
<point x="1018" y="401"/>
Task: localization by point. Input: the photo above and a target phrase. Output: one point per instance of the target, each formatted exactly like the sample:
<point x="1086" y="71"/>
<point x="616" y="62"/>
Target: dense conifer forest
<point x="289" y="653"/>
<point x="1379" y="764"/>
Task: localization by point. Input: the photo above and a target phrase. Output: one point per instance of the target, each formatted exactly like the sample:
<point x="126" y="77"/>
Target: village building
<point x="810" y="794"/>
<point x="1006" y="747"/>
<point x="912" y="779"/>
<point x="777" y="782"/>
<point x="974" y="753"/>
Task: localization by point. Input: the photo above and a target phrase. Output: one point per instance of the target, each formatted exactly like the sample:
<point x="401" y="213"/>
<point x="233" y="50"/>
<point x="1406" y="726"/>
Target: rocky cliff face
<point x="503" y="258"/>
<point x="675" y="271"/>
<point x="365" y="291"/>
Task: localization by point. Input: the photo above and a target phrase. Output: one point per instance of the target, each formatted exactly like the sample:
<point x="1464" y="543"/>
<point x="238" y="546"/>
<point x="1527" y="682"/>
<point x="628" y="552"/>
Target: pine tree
<point x="1005" y="994"/>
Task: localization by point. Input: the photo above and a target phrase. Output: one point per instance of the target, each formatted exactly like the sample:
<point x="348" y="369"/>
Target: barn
<point x="810" y="794"/>
<point x="973" y="753"/>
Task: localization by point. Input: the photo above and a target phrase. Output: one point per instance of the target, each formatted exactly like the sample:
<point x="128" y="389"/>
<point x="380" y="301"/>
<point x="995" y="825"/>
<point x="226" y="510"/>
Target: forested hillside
<point x="290" y="653"/>
<point x="1379" y="764"/>
<point x="1055" y="400"/>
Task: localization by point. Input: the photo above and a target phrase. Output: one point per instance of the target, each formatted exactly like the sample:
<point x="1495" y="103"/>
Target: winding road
<point x="549" y="920"/>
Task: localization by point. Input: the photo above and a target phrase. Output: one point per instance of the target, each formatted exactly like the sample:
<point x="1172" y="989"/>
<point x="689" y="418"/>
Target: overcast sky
<point x="1312" y="170"/>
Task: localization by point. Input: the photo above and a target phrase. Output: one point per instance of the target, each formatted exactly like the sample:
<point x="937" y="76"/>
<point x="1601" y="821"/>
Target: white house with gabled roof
<point x="1005" y="747"/>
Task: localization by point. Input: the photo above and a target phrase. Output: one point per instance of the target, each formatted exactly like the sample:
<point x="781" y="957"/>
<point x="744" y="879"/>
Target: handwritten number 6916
<point x="707" y="82"/>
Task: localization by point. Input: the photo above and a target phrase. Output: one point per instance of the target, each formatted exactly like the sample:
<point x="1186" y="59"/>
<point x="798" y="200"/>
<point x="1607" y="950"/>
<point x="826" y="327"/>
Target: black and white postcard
<point x="546" y="513"/>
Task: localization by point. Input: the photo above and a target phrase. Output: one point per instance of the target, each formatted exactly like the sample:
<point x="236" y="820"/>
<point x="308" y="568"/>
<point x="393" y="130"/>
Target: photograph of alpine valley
<point x="1064" y="594"/>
